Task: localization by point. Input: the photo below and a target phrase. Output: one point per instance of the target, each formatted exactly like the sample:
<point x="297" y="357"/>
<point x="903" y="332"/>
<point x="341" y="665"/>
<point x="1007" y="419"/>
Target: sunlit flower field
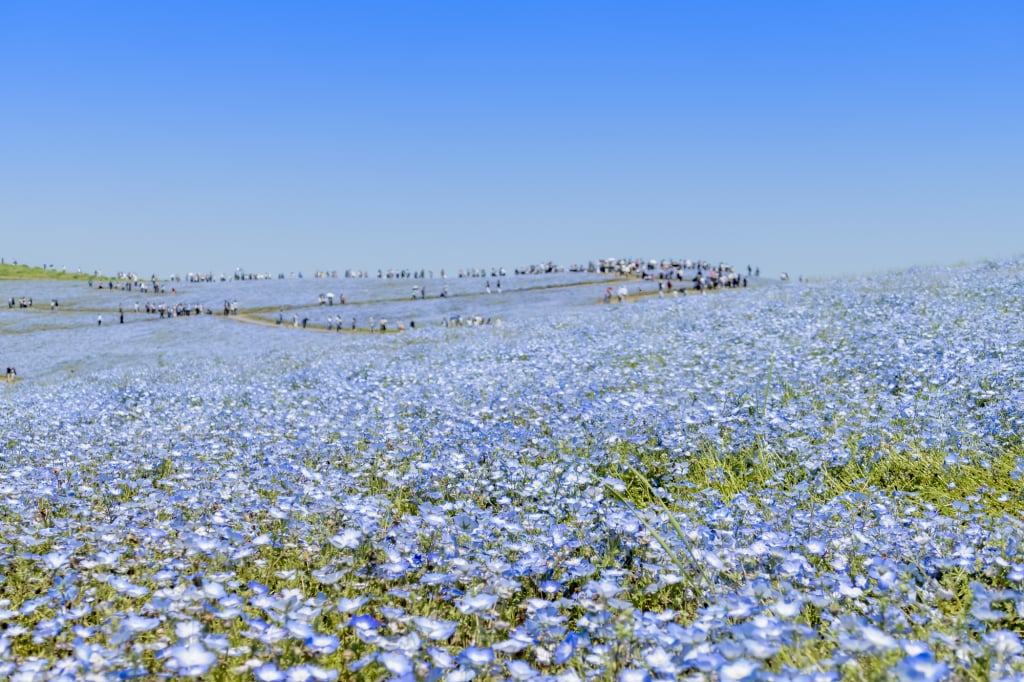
<point x="813" y="481"/>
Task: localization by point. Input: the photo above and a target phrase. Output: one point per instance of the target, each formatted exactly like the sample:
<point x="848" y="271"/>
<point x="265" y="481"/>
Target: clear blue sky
<point x="824" y="137"/>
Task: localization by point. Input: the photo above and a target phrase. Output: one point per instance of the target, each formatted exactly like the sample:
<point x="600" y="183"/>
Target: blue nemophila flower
<point x="327" y="576"/>
<point x="477" y="603"/>
<point x="441" y="658"/>
<point x="983" y="611"/>
<point x="365" y="626"/>
<point x="264" y="601"/>
<point x="565" y="649"/>
<point x="131" y="626"/>
<point x="464" y="522"/>
<point x="521" y="670"/>
<point x="634" y="675"/>
<point x="392" y="612"/>
<point x="348" y="605"/>
<point x="213" y="590"/>
<point x="396" y="663"/>
<point x="548" y="617"/>
<point x="359" y="664"/>
<point x="349" y="538"/>
<point x="579" y="568"/>
<point x="662" y="662"/>
<point x="188" y="630"/>
<point x="519" y="640"/>
<point x="220" y="644"/>
<point x="127" y="587"/>
<point x="268" y="672"/>
<point x="229" y="607"/>
<point x="408" y="644"/>
<point x="92" y="656"/>
<point x="164" y="576"/>
<point x="65" y="670"/>
<point x="921" y="667"/>
<point x="322" y="644"/>
<point x="1004" y="643"/>
<point x="860" y="638"/>
<point x="53" y="561"/>
<point x="46" y="629"/>
<point x="266" y="633"/>
<point x="738" y="670"/>
<point x="310" y="673"/>
<point x="475" y="656"/>
<point x="759" y="648"/>
<point x="30" y="670"/>
<point x="461" y="675"/>
<point x="787" y="609"/>
<point x="605" y="588"/>
<point x="435" y="629"/>
<point x="299" y="629"/>
<point x="550" y="587"/>
<point x="189" y="660"/>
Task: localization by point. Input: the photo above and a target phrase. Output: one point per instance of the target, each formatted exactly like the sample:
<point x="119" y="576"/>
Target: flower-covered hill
<point x="794" y="482"/>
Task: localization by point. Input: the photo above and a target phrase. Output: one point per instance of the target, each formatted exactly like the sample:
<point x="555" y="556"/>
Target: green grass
<point x="14" y="272"/>
<point x="985" y="482"/>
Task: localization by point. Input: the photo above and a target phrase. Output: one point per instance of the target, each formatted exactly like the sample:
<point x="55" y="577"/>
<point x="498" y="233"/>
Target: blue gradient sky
<point x="818" y="138"/>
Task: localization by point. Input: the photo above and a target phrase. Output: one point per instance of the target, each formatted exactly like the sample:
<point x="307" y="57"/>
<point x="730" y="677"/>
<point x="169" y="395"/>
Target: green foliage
<point x="14" y="272"/>
<point x="984" y="482"/>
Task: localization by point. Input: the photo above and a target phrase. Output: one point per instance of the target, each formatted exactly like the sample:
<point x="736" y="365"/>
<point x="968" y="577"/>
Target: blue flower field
<point x="814" y="481"/>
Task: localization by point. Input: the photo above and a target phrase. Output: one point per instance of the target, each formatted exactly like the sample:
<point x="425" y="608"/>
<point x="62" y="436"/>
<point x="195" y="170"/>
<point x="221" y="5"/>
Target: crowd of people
<point x="130" y="285"/>
<point x="672" y="275"/>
